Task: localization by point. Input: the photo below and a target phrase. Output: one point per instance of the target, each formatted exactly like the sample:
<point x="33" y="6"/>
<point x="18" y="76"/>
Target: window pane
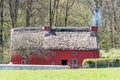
<point x="74" y="62"/>
<point x="53" y="53"/>
<point x="23" y="62"/>
<point x="74" y="53"/>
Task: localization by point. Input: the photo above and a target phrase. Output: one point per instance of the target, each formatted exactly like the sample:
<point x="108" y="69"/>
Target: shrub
<point x="89" y="63"/>
<point x="101" y="63"/>
<point x="116" y="62"/>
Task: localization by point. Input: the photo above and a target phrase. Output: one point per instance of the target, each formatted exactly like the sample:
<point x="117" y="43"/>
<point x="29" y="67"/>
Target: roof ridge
<point x="62" y="29"/>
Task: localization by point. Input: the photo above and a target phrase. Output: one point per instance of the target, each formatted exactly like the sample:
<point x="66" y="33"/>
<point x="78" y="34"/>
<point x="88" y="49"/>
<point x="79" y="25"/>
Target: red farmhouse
<point x="56" y="46"/>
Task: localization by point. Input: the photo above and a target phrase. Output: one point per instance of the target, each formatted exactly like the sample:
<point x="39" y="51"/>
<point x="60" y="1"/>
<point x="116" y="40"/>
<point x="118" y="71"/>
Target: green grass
<point x="75" y="74"/>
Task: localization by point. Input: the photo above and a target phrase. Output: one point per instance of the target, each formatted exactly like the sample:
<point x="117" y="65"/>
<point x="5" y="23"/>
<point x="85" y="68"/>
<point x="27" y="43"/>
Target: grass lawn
<point x="75" y="74"/>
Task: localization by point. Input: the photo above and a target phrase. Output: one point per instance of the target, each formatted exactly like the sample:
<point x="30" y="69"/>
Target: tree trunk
<point x="111" y="34"/>
<point x="57" y="6"/>
<point x="50" y="13"/>
<point x="28" y="12"/>
<point x="66" y="13"/>
<point x="115" y="24"/>
<point x="53" y="9"/>
<point x="69" y="4"/>
<point x="16" y="11"/>
<point x="11" y="9"/>
<point x="14" y="6"/>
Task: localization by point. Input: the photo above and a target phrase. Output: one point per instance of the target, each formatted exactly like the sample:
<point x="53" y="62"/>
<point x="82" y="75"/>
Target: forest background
<point x="60" y="13"/>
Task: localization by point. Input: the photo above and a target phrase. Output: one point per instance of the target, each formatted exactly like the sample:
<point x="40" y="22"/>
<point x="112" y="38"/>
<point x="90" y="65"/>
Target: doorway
<point x="63" y="62"/>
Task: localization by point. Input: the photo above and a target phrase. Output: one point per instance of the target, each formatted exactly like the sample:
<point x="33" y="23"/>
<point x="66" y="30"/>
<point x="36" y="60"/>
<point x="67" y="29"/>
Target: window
<point x="23" y="54"/>
<point x="75" y="62"/>
<point x="74" y="53"/>
<point x="52" y="63"/>
<point x="64" y="62"/>
<point x="23" y="61"/>
<point x="53" y="53"/>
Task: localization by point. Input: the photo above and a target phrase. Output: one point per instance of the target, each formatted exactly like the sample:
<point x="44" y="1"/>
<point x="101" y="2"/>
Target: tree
<point x="14" y="6"/>
<point x="1" y="28"/>
<point x="61" y="13"/>
<point x="53" y="9"/>
<point x="28" y="12"/>
<point x="56" y="17"/>
<point x="115" y="22"/>
<point x="69" y="4"/>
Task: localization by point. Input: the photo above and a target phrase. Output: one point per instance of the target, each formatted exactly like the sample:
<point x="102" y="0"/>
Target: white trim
<point x="76" y="63"/>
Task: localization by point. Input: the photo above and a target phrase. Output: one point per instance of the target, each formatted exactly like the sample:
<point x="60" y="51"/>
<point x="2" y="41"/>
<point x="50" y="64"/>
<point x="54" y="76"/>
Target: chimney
<point x="47" y="28"/>
<point x="94" y="28"/>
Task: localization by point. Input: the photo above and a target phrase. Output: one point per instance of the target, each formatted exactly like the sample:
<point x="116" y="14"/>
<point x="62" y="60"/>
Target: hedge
<point x="101" y="63"/>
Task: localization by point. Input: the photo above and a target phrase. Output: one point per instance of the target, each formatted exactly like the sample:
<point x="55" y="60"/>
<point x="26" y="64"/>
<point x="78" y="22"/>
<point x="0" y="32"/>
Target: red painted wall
<point x="17" y="58"/>
<point x="60" y="55"/>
